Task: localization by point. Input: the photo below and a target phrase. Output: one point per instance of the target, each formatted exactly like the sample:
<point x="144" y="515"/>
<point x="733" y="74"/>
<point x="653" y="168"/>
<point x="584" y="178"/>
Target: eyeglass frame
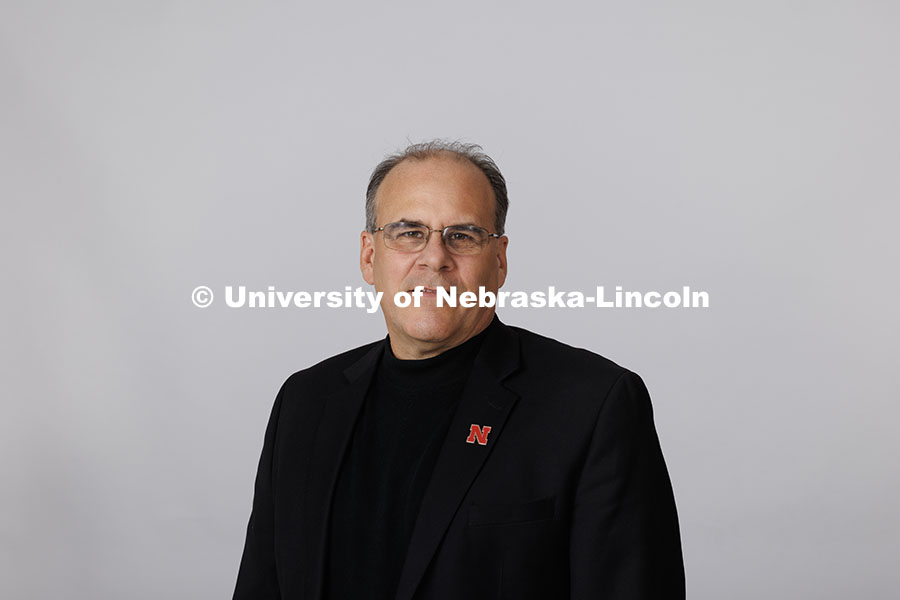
<point x="428" y="236"/>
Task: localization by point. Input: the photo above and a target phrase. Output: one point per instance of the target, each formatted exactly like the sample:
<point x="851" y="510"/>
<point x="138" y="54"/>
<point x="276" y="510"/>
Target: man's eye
<point x="459" y="236"/>
<point x="412" y="234"/>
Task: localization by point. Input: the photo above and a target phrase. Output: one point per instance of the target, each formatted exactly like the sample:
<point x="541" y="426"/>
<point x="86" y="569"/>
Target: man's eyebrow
<point x="417" y="222"/>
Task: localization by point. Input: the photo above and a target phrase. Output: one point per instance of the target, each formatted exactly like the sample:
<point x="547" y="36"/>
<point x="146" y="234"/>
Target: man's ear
<point x="367" y="256"/>
<point x="502" y="243"/>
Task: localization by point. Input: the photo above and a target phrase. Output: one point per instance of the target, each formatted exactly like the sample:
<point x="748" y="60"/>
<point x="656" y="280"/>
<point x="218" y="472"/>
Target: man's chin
<point x="431" y="325"/>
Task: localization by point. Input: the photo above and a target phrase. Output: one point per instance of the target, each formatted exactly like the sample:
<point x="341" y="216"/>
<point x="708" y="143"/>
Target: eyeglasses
<point x="458" y="239"/>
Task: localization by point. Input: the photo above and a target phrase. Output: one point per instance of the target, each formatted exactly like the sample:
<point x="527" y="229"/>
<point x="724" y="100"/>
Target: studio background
<point x="748" y="149"/>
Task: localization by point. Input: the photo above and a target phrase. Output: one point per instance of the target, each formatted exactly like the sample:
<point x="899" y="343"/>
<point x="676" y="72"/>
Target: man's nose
<point x="435" y="254"/>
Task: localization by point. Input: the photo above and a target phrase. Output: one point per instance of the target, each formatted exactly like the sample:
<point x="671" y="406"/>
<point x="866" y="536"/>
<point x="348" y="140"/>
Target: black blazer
<point x="568" y="498"/>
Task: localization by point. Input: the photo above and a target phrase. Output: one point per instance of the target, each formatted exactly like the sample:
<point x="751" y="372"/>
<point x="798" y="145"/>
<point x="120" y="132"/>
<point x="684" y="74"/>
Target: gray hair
<point x="471" y="152"/>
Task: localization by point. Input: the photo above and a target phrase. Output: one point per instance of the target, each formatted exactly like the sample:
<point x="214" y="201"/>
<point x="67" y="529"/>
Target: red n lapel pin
<point x="478" y="433"/>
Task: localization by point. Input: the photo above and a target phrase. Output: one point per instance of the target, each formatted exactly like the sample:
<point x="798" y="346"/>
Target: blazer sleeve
<point x="625" y="542"/>
<point x="258" y="577"/>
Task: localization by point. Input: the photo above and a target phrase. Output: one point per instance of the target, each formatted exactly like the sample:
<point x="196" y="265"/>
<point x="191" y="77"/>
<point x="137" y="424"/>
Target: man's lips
<point x="428" y="289"/>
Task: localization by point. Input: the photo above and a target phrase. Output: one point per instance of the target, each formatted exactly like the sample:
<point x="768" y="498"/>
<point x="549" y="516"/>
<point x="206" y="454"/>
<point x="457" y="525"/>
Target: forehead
<point x="436" y="191"/>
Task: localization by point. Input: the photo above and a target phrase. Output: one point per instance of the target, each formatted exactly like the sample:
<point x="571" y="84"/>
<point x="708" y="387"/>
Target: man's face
<point x="436" y="192"/>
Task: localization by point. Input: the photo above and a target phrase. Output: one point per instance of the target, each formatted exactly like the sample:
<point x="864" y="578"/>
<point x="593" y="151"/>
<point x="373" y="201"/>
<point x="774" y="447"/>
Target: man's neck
<point x="412" y="349"/>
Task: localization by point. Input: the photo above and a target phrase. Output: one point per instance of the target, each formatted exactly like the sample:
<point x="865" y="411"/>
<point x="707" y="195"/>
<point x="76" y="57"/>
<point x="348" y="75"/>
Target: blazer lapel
<point x="339" y="415"/>
<point x="485" y="402"/>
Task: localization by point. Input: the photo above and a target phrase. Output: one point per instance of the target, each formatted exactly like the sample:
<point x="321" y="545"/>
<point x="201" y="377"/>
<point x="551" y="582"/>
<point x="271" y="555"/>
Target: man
<point x="459" y="458"/>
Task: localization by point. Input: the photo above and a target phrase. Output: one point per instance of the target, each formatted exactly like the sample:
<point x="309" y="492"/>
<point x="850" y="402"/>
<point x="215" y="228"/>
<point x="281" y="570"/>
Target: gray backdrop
<point x="748" y="149"/>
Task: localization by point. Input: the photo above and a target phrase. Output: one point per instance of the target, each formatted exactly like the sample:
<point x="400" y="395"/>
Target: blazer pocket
<point x="504" y="514"/>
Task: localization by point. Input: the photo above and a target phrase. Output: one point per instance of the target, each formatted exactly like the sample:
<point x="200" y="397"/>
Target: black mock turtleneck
<point x="388" y="464"/>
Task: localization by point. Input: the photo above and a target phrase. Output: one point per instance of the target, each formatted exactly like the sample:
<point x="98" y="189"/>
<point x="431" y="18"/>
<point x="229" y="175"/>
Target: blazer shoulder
<point x="543" y="355"/>
<point x="326" y="374"/>
<point x="554" y="372"/>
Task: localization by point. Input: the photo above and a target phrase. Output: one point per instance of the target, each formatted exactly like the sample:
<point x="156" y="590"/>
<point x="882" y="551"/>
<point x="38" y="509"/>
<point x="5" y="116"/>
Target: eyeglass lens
<point x="459" y="239"/>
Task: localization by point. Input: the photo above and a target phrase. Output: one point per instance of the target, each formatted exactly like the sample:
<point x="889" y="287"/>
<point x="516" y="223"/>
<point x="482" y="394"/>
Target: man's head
<point x="437" y="185"/>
